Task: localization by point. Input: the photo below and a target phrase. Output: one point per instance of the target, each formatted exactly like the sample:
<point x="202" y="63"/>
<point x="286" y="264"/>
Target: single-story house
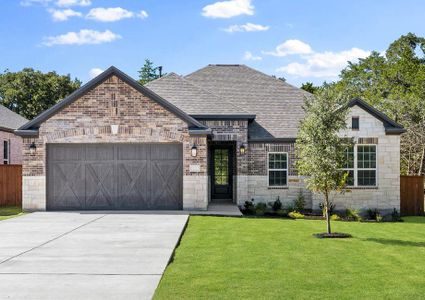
<point x="224" y="133"/>
<point x="10" y="143"/>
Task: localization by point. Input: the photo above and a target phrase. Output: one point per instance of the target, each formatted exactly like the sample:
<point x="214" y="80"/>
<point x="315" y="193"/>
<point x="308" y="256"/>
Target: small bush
<point x="372" y="213"/>
<point x="395" y="216"/>
<point x="249" y="206"/>
<point x="281" y="212"/>
<point x="295" y="215"/>
<point x="276" y="205"/>
<point x="331" y="208"/>
<point x="299" y="202"/>
<point x="260" y="208"/>
<point x="379" y="217"/>
<point x="335" y="217"/>
<point x="352" y="214"/>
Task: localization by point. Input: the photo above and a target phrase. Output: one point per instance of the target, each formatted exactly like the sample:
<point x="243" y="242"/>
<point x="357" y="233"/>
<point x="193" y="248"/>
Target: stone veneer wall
<point x="15" y="145"/>
<point x="258" y="185"/>
<point x="386" y="195"/>
<point x="89" y="120"/>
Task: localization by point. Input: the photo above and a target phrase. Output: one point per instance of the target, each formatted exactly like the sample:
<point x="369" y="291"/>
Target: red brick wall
<point x="15" y="144"/>
<point x="113" y="102"/>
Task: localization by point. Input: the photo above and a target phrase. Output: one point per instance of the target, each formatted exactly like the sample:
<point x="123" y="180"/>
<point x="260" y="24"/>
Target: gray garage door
<point x="114" y="176"/>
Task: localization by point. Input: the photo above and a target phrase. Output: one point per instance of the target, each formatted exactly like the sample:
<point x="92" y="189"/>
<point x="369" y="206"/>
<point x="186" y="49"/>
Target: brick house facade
<point x="229" y="153"/>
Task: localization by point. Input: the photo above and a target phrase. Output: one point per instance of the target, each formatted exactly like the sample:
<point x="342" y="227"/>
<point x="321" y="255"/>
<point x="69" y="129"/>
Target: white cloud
<point x="248" y="27"/>
<point x="290" y="47"/>
<point x="95" y="72"/>
<point x="249" y="56"/>
<point x="32" y="2"/>
<point x="83" y="37"/>
<point x="142" y="14"/>
<point x="111" y="14"/>
<point x="323" y="64"/>
<point x="228" y="9"/>
<point x="68" y="3"/>
<point x="63" y="15"/>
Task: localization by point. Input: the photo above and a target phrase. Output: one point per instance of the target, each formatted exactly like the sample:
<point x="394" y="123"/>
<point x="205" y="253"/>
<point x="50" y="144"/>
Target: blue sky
<point x="299" y="40"/>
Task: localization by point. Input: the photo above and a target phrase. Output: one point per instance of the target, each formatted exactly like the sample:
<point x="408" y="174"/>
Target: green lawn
<point x="239" y="258"/>
<point x="8" y="212"/>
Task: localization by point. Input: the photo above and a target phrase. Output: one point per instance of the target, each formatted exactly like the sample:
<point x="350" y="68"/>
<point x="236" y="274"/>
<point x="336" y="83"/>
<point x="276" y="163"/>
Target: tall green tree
<point x="394" y="83"/>
<point x="149" y="72"/>
<point x="310" y="87"/>
<point x="29" y="92"/>
<point x="320" y="148"/>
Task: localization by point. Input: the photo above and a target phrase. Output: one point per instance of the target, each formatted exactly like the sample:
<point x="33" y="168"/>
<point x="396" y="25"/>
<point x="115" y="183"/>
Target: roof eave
<point x="223" y="116"/>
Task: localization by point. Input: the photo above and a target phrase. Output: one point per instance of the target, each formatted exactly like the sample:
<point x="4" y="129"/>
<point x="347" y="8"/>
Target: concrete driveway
<point x="86" y="255"/>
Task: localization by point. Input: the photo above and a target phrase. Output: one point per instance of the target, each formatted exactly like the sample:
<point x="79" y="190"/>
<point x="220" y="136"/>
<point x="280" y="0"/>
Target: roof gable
<point x="391" y="127"/>
<point x="35" y="123"/>
<point x="10" y="120"/>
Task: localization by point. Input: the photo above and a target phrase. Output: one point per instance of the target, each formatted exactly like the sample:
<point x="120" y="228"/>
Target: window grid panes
<point x="278" y="169"/>
<point x="360" y="163"/>
<point x="221" y="166"/>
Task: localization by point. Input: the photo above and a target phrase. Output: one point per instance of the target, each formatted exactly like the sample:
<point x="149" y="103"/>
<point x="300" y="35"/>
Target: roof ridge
<point x="211" y="93"/>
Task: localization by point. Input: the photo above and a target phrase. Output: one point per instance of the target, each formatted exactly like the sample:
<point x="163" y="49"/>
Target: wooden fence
<point x="412" y="195"/>
<point x="10" y="185"/>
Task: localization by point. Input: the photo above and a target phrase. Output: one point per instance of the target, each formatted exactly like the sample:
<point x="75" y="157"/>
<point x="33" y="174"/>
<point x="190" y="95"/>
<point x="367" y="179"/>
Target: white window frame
<point x="268" y="170"/>
<point x="356" y="168"/>
<point x="6" y="161"/>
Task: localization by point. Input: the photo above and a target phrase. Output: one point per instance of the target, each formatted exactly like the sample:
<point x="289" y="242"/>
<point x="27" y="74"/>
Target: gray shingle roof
<point x="10" y="120"/>
<point x="276" y="104"/>
<point x="191" y="98"/>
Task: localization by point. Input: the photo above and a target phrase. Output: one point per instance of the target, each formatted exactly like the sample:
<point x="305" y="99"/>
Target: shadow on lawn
<point x="395" y="242"/>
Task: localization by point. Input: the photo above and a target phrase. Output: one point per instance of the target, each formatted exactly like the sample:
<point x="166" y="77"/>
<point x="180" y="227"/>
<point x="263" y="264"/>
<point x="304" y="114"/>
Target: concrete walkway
<point x="86" y="255"/>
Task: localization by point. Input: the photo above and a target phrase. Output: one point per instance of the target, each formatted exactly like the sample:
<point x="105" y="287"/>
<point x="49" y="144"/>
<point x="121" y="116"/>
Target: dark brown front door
<point x="222" y="173"/>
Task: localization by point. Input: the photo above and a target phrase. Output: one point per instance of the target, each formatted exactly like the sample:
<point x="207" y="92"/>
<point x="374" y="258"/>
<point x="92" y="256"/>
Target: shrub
<point x="249" y="206"/>
<point x="352" y="214"/>
<point x="331" y="208"/>
<point x="372" y="213"/>
<point x="281" y="212"/>
<point x="276" y="205"/>
<point x="335" y="217"/>
<point x="395" y="216"/>
<point x="378" y="217"/>
<point x="260" y="208"/>
<point x="299" y="202"/>
<point x="295" y="215"/>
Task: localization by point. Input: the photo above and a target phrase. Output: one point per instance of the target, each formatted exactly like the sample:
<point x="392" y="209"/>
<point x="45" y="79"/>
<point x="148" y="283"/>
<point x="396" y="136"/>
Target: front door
<point x="222" y="174"/>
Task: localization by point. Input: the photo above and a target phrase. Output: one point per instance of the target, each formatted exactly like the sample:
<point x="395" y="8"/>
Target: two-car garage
<point x="114" y="176"/>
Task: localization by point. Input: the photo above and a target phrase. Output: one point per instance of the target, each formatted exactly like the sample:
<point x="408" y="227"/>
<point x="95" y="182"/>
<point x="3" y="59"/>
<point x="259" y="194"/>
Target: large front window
<point x="360" y="163"/>
<point x="278" y="169"/>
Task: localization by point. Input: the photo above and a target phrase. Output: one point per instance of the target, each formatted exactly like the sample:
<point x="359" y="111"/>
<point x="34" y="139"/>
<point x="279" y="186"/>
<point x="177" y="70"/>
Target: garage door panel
<point x="70" y="185"/>
<point x="166" y="177"/>
<point x="133" y="185"/>
<point x="114" y="176"/>
<point x="100" y="185"/>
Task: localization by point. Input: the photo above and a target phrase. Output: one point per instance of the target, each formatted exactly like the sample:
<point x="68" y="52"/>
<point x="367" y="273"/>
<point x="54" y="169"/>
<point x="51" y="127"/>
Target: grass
<point x="253" y="258"/>
<point x="8" y="212"/>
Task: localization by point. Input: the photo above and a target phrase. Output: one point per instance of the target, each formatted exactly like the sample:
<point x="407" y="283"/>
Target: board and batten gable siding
<point x="89" y="120"/>
<point x="386" y="195"/>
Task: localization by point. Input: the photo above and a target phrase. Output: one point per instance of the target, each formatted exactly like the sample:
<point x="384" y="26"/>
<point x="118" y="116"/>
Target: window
<point x="360" y="164"/>
<point x="366" y="165"/>
<point x="278" y="169"/>
<point x="221" y="166"/>
<point x="5" y="152"/>
<point x="355" y="124"/>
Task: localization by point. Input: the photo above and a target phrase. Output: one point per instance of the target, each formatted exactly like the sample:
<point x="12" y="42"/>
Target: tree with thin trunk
<point x="320" y="146"/>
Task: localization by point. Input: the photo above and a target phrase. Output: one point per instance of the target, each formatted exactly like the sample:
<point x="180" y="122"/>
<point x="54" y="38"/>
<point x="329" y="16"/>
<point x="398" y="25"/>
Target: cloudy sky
<point x="299" y="40"/>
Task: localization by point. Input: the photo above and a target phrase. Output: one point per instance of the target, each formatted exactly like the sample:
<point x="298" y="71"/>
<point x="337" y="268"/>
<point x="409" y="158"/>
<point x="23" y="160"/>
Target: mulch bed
<point x="333" y="235"/>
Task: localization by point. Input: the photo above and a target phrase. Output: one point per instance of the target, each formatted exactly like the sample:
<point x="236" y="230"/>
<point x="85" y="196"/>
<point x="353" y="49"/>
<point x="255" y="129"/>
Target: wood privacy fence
<point x="10" y="185"/>
<point x="411" y="195"/>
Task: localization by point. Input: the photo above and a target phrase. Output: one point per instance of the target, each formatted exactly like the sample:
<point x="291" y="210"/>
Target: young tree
<point x="149" y="72"/>
<point x="29" y="92"/>
<point x="320" y="148"/>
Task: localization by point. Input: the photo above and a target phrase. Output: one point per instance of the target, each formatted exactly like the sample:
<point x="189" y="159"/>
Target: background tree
<point x="149" y="72"/>
<point x="310" y="87"/>
<point x="320" y="150"/>
<point x="394" y="83"/>
<point x="29" y="92"/>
